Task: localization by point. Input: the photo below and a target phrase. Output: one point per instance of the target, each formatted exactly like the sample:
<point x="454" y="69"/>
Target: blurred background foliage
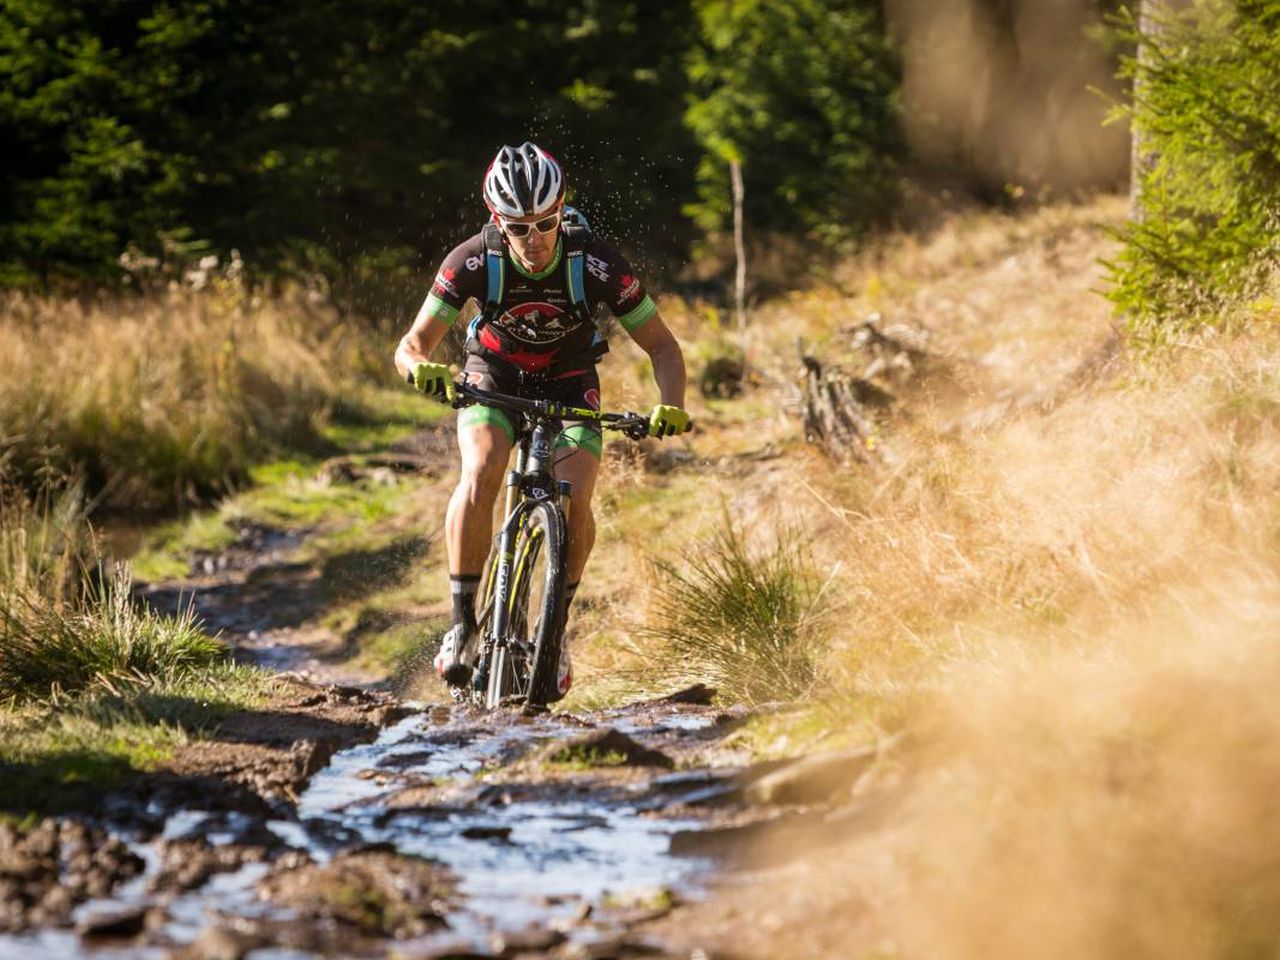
<point x="347" y="139"/>
<point x="1205" y="235"/>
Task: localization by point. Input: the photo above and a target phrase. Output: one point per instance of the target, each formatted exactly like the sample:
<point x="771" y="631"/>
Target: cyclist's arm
<point x="420" y="342"/>
<point x="657" y="340"/>
<point x="460" y="277"/>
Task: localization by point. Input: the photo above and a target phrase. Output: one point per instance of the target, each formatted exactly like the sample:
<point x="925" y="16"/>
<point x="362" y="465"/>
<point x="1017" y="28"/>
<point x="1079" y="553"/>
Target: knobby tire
<point x="542" y="536"/>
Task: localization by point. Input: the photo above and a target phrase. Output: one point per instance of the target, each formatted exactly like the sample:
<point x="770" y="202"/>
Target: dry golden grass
<point x="162" y="399"/>
<point x="1069" y="606"/>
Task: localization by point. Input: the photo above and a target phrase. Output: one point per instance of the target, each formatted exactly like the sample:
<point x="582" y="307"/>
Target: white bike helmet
<point x="523" y="181"/>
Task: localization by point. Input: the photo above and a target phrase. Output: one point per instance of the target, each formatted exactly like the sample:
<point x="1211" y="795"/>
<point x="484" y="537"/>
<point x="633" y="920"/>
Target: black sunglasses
<point x="545" y="225"/>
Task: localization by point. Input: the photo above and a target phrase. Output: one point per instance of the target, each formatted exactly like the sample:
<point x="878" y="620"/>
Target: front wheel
<point x="531" y="650"/>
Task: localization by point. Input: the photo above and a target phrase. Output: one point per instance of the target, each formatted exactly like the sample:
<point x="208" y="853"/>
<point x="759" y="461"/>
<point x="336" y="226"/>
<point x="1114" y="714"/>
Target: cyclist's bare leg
<point x="580" y="467"/>
<point x="468" y="522"/>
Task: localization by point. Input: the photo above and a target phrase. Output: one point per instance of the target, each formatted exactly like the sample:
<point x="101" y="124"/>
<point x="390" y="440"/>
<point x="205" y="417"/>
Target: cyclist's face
<point x="538" y="243"/>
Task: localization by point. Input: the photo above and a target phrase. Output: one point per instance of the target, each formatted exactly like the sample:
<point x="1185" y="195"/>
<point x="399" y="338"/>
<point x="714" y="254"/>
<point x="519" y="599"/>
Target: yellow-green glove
<point x="667" y="421"/>
<point x="435" y="380"/>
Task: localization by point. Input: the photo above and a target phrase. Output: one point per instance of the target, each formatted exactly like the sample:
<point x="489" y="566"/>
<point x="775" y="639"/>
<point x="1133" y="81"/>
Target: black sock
<point x="462" y="590"/>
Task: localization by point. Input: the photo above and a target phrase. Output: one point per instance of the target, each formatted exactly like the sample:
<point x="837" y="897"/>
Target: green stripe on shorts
<point x="633" y="320"/>
<point x="478" y="415"/>
<point x="581" y="436"/>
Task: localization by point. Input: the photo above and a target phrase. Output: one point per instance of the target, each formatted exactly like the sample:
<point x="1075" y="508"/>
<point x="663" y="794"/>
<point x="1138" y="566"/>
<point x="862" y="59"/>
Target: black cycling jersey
<point x="536" y="324"/>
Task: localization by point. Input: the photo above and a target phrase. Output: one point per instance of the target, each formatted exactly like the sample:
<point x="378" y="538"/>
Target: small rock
<point x="532" y="940"/>
<point x="699" y="694"/>
<point x="610" y="948"/>
<point x="605" y="748"/>
<point x="478" y="832"/>
<point x="116" y="924"/>
<point x="818" y="778"/>
<point x="449" y="950"/>
<point x="222" y="943"/>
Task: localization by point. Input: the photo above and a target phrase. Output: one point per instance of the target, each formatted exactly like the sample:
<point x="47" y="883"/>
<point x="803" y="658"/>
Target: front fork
<point x="518" y="486"/>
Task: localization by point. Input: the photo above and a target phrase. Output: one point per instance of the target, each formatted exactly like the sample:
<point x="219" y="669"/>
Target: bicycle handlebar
<point x="634" y="425"/>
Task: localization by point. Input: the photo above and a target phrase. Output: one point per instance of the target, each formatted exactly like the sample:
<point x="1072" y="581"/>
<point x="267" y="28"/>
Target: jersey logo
<point x="537" y="322"/>
<point x="444" y="282"/>
<point x="597" y="268"/>
<point x="592" y="398"/>
<point x="473" y="263"/>
<point x="630" y="288"/>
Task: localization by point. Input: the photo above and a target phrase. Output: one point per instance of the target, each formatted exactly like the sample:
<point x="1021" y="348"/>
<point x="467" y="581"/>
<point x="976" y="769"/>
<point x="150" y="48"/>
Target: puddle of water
<point x="561" y="849"/>
<point x="566" y="849"/>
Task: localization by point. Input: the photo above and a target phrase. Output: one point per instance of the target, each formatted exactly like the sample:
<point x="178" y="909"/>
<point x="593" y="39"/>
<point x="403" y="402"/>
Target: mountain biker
<point x="534" y="338"/>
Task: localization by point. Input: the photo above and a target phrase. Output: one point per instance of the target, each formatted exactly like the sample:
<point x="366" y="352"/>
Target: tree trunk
<point x="740" y="252"/>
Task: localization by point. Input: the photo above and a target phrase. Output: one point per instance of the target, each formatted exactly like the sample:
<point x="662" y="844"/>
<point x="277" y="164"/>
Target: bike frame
<point x="530" y="483"/>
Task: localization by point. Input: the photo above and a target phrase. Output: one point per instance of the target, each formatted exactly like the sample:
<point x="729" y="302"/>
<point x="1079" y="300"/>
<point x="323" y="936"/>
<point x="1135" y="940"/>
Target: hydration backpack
<point x="577" y="235"/>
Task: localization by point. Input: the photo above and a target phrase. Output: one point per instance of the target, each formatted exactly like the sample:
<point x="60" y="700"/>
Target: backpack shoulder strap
<point x="577" y="235"/>
<point x="495" y="259"/>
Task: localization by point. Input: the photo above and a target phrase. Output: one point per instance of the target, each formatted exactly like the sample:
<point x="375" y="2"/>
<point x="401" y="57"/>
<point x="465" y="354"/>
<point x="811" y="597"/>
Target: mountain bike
<point x="521" y="602"/>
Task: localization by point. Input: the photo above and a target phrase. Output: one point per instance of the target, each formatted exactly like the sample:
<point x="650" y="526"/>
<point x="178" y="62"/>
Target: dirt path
<point x="337" y="820"/>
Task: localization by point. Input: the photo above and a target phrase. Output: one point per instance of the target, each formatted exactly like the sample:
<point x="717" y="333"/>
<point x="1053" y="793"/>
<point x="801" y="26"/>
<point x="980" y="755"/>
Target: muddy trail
<point x="338" y="820"/>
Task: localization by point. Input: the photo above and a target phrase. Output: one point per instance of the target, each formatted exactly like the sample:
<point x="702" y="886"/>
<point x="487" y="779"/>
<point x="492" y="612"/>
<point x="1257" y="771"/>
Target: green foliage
<point x="748" y="623"/>
<point x="344" y="135"/>
<point x="803" y="94"/>
<point x="1207" y="110"/>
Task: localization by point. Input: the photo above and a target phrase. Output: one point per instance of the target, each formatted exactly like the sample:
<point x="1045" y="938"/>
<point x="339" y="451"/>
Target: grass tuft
<point x="67" y="624"/>
<point x="91" y="684"/>
<point x="748" y="622"/>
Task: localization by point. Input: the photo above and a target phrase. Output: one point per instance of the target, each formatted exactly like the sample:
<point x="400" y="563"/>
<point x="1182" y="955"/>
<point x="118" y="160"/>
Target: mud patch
<point x="47" y="870"/>
<point x="378" y="893"/>
<point x="273" y="752"/>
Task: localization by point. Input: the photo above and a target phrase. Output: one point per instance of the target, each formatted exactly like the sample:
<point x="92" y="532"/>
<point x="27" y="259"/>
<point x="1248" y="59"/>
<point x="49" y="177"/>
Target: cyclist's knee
<point x="482" y="479"/>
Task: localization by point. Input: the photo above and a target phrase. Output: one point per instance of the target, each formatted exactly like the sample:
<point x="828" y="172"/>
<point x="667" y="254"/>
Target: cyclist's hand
<point x="435" y="380"/>
<point x="667" y="421"/>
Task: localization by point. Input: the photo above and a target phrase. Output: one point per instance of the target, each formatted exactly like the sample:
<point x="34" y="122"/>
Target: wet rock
<point x="536" y="940"/>
<point x="288" y="934"/>
<point x="329" y="833"/>
<point x="609" y="948"/>
<point x="187" y="864"/>
<point x="222" y="943"/>
<point x="817" y="778"/>
<point x="113" y="925"/>
<point x="374" y="892"/>
<point x="698" y="693"/>
<point x="402" y="761"/>
<point x="46" y="870"/>
<point x="479" y="832"/>
<point x="604" y="748"/>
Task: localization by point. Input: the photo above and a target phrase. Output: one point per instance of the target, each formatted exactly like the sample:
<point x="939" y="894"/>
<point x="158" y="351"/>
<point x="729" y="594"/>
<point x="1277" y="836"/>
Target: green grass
<point x="581" y="759"/>
<point x="48" y="652"/>
<point x="284" y="494"/>
<point x="167" y="552"/>
<point x="380" y="418"/>
<point x="92" y="685"/>
<point x="61" y="756"/>
<point x="297" y="498"/>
